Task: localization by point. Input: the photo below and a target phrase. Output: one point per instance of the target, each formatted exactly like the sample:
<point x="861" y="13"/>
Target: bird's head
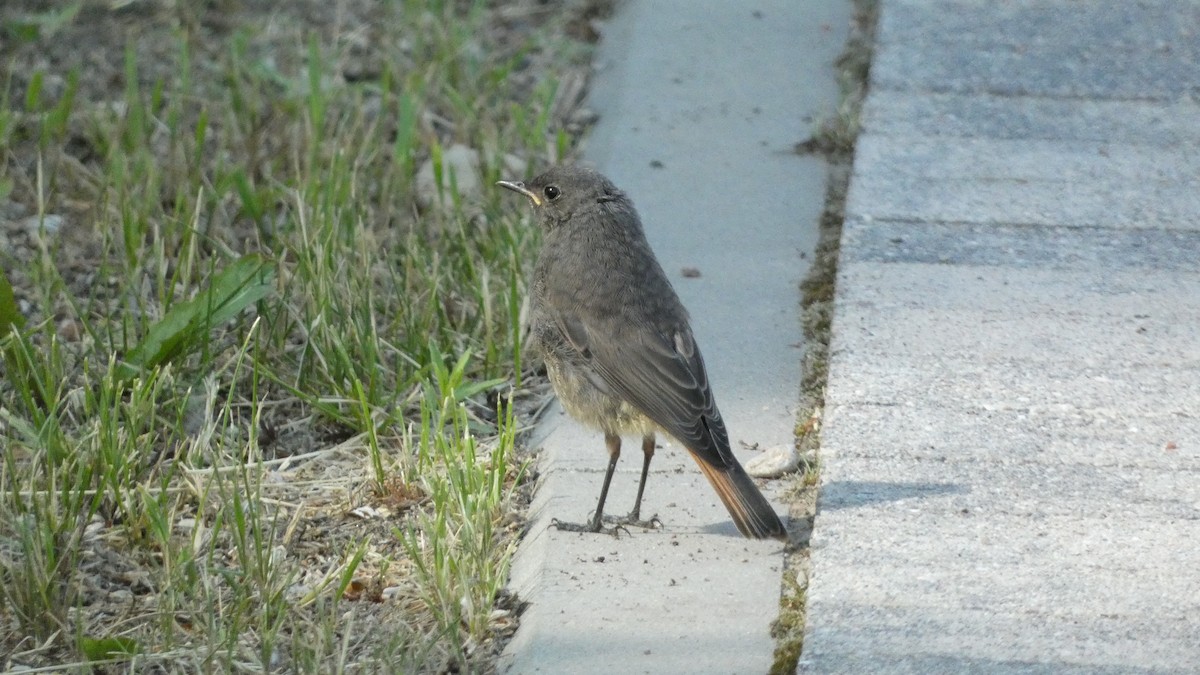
<point x="563" y="191"/>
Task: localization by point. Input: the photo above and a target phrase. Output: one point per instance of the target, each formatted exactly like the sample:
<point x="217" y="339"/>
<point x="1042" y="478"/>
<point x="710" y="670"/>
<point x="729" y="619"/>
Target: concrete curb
<point x="700" y="104"/>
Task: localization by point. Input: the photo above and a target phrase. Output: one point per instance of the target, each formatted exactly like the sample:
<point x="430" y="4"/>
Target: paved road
<point x="701" y="102"/>
<point x="1011" y="451"/>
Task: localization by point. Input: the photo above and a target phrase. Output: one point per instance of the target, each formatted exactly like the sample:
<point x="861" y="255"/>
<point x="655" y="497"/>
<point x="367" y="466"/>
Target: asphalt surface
<point x="1011" y="450"/>
<point x="1011" y="445"/>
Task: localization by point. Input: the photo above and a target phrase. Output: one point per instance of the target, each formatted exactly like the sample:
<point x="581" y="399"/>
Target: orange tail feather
<point x="751" y="512"/>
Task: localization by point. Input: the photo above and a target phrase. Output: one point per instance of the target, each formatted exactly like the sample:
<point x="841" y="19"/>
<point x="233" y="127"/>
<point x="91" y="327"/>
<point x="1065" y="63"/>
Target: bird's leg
<point x="613" y="442"/>
<point x="647" y="455"/>
<point x="635" y="516"/>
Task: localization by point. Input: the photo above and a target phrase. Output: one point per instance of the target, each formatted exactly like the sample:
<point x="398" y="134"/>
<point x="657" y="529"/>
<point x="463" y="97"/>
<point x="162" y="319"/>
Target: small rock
<point x="70" y="330"/>
<point x="196" y="413"/>
<point x="297" y="592"/>
<point x="34" y="225"/>
<point x="515" y="167"/>
<point x="774" y="462"/>
<point x="584" y="117"/>
<point x="10" y="210"/>
<point x="370" y="513"/>
<point x="458" y="161"/>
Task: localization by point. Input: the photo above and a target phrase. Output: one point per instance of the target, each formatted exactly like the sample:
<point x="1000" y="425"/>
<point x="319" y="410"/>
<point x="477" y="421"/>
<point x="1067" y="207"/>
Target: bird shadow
<point x="724" y="528"/>
<point x="849" y="494"/>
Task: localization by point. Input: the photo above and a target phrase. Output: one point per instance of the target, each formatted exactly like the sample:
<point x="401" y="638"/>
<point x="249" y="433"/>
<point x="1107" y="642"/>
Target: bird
<point x="618" y="346"/>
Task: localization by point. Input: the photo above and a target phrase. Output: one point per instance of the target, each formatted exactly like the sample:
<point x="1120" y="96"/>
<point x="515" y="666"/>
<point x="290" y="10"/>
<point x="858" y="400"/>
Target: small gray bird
<point x="617" y="344"/>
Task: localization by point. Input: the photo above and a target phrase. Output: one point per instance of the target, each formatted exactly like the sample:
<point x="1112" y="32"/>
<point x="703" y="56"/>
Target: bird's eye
<point x="552" y="192"/>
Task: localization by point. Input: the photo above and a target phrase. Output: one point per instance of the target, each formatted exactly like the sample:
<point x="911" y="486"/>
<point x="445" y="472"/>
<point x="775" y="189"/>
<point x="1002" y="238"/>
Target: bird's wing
<point x="660" y="374"/>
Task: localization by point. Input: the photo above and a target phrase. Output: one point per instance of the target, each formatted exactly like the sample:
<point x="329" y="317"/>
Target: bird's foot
<point x="594" y="526"/>
<point x="635" y="519"/>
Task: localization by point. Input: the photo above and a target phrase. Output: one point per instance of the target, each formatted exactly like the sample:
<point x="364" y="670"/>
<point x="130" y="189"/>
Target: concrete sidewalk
<point x="700" y="104"/>
<point x="1011" y="449"/>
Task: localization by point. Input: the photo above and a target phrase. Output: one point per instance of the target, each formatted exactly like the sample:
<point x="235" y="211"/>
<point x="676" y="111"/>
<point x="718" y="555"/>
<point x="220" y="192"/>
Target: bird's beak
<point x="517" y="186"/>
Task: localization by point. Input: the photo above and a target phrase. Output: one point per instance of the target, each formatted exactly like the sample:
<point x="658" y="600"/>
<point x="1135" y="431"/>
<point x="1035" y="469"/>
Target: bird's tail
<point x="751" y="512"/>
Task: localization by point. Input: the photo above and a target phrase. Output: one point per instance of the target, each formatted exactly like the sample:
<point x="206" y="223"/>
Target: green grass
<point x="260" y="402"/>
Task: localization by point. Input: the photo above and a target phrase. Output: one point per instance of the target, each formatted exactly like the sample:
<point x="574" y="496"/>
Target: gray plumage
<point x="616" y="340"/>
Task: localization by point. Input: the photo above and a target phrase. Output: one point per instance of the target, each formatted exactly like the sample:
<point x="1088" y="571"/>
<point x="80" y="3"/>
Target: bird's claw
<point x="592" y="527"/>
<point x="634" y="519"/>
